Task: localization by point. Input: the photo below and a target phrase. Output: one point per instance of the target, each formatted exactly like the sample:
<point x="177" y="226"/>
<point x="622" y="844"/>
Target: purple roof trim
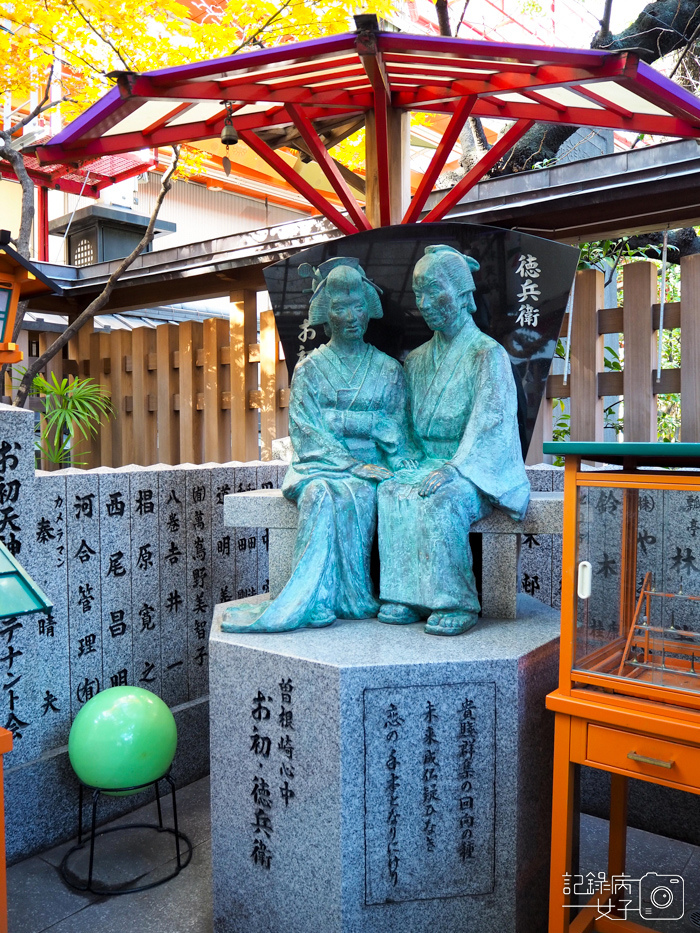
<point x="477" y="48"/>
<point x="244" y="60"/>
<point x="673" y="95"/>
<point x="92" y="116"/>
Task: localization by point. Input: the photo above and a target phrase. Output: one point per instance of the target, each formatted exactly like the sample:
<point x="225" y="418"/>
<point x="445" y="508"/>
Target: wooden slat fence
<point x="637" y="320"/>
<point x="194" y="392"/>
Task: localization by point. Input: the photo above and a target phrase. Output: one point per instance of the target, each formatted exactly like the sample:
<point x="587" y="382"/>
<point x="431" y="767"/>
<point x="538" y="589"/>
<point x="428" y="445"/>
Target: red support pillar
<point x="497" y="151"/>
<point x="282" y="168"/>
<point x="437" y="163"/>
<point x="327" y="165"/>
<point x="42" y="225"/>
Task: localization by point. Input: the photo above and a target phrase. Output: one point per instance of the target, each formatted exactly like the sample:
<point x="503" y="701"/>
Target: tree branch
<point x="105" y="39"/>
<point x="101" y="300"/>
<point x="268" y="22"/>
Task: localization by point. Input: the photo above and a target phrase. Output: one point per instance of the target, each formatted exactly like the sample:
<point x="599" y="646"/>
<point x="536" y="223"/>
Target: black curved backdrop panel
<point x="388" y="256"/>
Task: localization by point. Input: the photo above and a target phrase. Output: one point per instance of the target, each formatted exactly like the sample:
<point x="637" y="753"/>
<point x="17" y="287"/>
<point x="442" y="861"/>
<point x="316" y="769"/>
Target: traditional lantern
<point x="19" y="279"/>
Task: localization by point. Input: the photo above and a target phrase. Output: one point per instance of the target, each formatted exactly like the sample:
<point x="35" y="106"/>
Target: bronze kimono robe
<point x="464" y="411"/>
<point x="332" y="417"/>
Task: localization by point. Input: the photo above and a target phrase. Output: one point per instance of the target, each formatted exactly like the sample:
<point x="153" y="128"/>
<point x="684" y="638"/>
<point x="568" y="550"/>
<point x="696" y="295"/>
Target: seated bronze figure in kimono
<point x="348" y="425"/>
<point x="463" y="404"/>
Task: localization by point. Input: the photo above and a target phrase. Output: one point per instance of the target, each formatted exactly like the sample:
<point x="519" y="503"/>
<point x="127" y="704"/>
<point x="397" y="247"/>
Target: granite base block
<point x="369" y="778"/>
<point x="41" y="797"/>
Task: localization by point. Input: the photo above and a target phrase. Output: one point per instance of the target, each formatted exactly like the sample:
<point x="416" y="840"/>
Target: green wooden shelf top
<point x="19" y="594"/>
<point x="641" y="454"/>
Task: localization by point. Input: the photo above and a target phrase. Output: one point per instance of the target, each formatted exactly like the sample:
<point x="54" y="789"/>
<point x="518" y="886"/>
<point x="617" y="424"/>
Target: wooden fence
<point x="194" y="392"/>
<point x="637" y="320"/>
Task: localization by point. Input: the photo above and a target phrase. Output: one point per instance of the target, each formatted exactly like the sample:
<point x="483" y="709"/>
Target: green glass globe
<point x="122" y="737"/>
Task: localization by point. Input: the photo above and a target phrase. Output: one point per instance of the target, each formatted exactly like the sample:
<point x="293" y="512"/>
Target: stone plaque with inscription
<point x="360" y="783"/>
<point x="429" y="791"/>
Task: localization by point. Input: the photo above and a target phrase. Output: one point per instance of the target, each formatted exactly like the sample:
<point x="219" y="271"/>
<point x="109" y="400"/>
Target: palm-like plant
<point x="72" y="408"/>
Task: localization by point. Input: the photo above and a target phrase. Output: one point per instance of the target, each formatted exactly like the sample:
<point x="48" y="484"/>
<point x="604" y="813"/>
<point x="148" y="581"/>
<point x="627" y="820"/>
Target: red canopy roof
<point x="312" y="94"/>
<point x="90" y="177"/>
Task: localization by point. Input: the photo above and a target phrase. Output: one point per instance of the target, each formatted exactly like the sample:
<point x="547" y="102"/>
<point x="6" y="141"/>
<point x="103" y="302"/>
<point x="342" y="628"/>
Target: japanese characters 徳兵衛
<point x="348" y="425"/>
<point x="463" y="404"/>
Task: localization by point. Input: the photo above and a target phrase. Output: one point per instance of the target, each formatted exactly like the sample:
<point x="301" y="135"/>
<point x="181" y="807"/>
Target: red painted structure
<point x="88" y="178"/>
<point x="317" y="91"/>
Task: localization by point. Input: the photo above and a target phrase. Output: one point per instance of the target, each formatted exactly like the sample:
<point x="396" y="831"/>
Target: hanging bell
<point x="229" y="136"/>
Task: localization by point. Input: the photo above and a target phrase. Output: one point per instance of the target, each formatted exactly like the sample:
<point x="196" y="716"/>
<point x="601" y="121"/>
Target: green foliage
<point x="73" y="409"/>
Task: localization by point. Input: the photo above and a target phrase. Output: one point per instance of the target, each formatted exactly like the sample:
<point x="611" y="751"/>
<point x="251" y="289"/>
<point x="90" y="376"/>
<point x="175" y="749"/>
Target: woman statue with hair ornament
<point x="349" y="428"/>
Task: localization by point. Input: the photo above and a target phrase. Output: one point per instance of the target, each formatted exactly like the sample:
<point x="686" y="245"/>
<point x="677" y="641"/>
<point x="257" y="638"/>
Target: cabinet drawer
<point x="669" y="762"/>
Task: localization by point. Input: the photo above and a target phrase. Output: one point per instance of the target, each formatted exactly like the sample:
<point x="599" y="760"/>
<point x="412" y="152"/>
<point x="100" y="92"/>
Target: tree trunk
<point x="101" y="300"/>
<point x="663" y="26"/>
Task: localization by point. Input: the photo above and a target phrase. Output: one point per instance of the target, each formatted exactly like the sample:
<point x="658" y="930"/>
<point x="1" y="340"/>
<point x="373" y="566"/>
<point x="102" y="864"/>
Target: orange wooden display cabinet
<point x="5" y="746"/>
<point x="628" y="700"/>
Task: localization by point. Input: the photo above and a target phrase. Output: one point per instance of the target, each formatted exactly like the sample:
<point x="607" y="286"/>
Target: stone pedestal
<point x="369" y="778"/>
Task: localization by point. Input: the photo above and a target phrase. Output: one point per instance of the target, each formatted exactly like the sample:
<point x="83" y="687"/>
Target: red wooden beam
<point x="381" y="133"/>
<point x="585" y="116"/>
<point x="250" y="61"/>
<point x="534" y="80"/>
<point x="296" y="70"/>
<point x="172" y="135"/>
<point x="486" y="162"/>
<point x="251" y="93"/>
<point x="275" y="161"/>
<point x="446" y="63"/>
<point x="394" y="42"/>
<point x="328" y="166"/>
<point x="658" y="89"/>
<point x="440" y="156"/>
<point x="545" y="101"/>
<point x="590" y="94"/>
<point x="163" y="121"/>
<point x="348" y="76"/>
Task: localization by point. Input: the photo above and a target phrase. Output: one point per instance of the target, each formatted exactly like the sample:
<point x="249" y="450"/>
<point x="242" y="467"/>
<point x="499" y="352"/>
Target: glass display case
<point x="632" y="556"/>
<point x="638" y="583"/>
<point x="628" y="700"/>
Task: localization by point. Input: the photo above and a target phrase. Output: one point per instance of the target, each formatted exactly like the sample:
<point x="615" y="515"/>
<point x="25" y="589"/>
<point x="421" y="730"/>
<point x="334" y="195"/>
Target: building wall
<point x="199" y="212"/>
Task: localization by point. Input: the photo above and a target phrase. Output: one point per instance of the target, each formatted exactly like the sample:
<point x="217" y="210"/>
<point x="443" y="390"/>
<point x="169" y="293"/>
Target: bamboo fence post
<point x="122" y="397"/>
<point x="168" y="386"/>
<point x="145" y="392"/>
<point x="191" y="359"/>
<point x="101" y="369"/>
<point x="639" y="291"/>
<point x="586" y="357"/>
<point x="690" y="349"/>
<point x="217" y="391"/>
<point x="244" y="378"/>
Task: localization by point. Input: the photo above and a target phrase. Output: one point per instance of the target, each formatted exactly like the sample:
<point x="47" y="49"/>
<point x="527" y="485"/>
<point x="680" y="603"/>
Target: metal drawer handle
<point x="650" y="761"/>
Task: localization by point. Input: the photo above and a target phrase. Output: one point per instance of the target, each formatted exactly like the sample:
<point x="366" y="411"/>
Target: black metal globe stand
<point x="182" y="859"/>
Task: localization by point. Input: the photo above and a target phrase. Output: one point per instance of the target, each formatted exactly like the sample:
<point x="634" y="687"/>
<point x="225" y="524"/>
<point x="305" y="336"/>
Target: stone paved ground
<point x="40" y="901"/>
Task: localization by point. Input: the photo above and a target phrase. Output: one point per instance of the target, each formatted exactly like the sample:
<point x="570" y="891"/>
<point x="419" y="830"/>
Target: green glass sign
<point x="5" y="296"/>
<point x="19" y="594"/>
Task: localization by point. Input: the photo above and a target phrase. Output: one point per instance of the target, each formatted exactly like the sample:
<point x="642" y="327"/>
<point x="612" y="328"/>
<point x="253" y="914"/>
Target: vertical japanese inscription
<point x="429" y="763"/>
<point x="199" y="590"/>
<point x="116" y="578"/>
<point x="46" y="562"/>
<point x="274" y="775"/>
<point x="145" y="589"/>
<point x="172" y="558"/>
<point x="392" y="728"/>
<point x="85" y="586"/>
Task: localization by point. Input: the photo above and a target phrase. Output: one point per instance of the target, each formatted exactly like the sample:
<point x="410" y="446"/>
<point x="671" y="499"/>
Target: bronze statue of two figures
<point x="416" y="453"/>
